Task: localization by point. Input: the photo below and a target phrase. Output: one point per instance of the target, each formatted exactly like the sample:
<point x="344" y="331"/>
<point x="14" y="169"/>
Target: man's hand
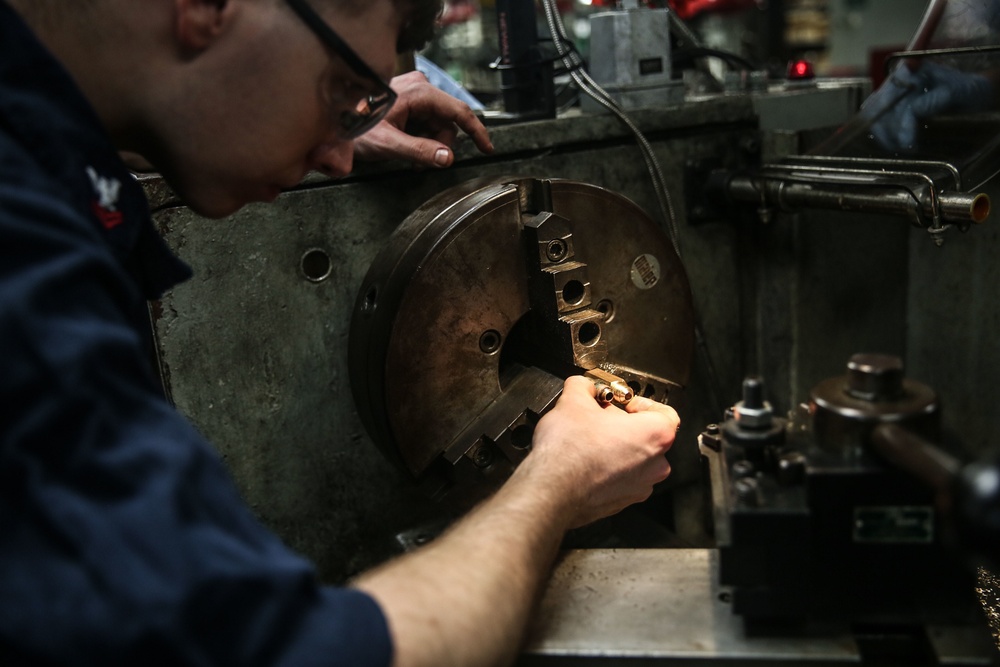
<point x="422" y="126"/>
<point x="602" y="457"/>
<point x="464" y="599"/>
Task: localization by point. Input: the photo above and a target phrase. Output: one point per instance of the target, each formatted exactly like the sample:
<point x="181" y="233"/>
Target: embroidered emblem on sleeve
<point x="105" y="205"/>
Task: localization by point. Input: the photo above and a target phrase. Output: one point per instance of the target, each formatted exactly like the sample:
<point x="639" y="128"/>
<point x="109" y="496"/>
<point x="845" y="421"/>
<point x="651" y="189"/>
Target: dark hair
<point x="419" y="20"/>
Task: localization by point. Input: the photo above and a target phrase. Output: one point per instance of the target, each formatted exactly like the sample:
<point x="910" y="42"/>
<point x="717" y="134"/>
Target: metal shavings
<point x="988" y="590"/>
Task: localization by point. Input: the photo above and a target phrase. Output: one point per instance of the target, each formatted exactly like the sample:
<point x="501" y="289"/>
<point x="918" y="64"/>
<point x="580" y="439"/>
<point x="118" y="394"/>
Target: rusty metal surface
<point x="254" y="351"/>
<point x="255" y="354"/>
<point x="497" y="277"/>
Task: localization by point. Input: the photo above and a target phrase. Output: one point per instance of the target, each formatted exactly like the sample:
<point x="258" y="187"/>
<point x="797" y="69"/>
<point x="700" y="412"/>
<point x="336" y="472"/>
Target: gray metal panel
<point x="621" y="607"/>
<point x="954" y="316"/>
<point x="255" y="354"/>
<point x="660" y="606"/>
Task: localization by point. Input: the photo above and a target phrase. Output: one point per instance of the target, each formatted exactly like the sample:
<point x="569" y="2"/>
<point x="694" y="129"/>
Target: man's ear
<point x="200" y="22"/>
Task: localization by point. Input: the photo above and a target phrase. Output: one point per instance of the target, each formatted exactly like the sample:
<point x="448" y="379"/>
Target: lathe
<point x="370" y="355"/>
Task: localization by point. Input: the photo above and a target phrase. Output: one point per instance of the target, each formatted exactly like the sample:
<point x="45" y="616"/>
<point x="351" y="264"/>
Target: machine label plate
<point x="645" y="271"/>
<point x="894" y="524"/>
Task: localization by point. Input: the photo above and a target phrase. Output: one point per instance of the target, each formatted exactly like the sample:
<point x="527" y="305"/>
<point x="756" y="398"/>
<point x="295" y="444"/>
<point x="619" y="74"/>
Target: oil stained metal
<point x="537" y="266"/>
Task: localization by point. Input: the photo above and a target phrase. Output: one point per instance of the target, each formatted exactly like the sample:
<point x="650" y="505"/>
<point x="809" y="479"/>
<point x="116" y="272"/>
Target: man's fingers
<point x="429" y="153"/>
<point x="422" y="102"/>
<point x="470" y="123"/>
<point x="643" y="404"/>
<point x="389" y="142"/>
<point x="667" y="416"/>
<point x="577" y="384"/>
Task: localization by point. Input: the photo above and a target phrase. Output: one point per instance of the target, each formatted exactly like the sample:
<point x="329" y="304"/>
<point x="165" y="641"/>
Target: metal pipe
<point x="952" y="208"/>
<point x="957" y="206"/>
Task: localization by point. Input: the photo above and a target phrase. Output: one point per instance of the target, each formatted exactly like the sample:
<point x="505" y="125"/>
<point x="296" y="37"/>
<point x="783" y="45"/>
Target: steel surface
<point x="460" y="303"/>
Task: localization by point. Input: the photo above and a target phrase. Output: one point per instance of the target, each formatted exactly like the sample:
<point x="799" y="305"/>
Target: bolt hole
<point x="316" y="265"/>
<point x="556" y="250"/>
<point x="370" y="301"/>
<point x="635" y="387"/>
<point x="573" y="292"/>
<point x="483" y="458"/>
<point x="589" y="333"/>
<point x="606" y="308"/>
<point x="489" y="342"/>
<point x="648" y="391"/>
<point x="520" y="437"/>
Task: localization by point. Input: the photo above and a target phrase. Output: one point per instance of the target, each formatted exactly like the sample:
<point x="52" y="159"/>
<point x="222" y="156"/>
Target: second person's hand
<point x="422" y="126"/>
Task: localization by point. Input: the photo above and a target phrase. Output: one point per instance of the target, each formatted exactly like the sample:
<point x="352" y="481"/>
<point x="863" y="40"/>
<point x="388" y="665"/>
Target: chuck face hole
<point x="316" y="265"/>
<point x="588" y="334"/>
<point x="520" y="436"/>
<point x="489" y="342"/>
<point x="370" y="300"/>
<point x="573" y="292"/>
<point x="607" y="308"/>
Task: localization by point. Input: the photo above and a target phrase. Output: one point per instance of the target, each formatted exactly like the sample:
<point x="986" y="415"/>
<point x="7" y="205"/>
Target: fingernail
<point x="442" y="156"/>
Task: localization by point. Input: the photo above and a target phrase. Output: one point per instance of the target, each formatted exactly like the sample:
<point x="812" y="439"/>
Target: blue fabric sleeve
<point x="123" y="540"/>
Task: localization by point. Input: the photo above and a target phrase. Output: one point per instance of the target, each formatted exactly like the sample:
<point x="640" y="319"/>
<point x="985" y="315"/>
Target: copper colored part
<point x="607" y="383"/>
<point x="604" y="393"/>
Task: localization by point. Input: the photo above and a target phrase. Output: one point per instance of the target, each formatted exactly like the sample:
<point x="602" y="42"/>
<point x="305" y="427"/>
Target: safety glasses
<point x="369" y="111"/>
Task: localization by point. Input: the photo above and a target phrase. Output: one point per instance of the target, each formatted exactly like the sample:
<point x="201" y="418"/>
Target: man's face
<point x="258" y="108"/>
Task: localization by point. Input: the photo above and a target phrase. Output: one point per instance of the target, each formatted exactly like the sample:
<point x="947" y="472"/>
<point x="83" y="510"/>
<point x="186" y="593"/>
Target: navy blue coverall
<point x="122" y="539"/>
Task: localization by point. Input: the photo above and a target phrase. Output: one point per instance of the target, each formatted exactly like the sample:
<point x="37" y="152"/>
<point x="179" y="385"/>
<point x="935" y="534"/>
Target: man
<point x="122" y="540"/>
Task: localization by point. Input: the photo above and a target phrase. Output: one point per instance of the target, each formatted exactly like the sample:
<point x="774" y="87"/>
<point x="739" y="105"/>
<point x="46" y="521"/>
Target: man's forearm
<point x="465" y="599"/>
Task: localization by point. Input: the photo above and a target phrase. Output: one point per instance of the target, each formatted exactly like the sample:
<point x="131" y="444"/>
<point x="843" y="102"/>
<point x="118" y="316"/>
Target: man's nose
<point x="335" y="158"/>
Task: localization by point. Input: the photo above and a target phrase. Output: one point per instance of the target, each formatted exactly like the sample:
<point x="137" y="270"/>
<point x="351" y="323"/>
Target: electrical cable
<point x="574" y="65"/>
<point x="582" y="79"/>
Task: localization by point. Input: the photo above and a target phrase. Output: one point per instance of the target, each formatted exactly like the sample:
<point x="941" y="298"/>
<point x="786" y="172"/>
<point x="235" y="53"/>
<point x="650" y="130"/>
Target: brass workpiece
<point x="610" y="388"/>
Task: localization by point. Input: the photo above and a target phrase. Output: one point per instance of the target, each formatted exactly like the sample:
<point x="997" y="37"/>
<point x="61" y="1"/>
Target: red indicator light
<point x="800" y="70"/>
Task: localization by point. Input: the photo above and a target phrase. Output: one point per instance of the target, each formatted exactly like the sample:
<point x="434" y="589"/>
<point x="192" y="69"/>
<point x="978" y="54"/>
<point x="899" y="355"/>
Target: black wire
<point x="544" y="59"/>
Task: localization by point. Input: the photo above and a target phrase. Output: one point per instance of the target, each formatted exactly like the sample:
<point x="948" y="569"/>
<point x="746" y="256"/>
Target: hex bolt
<point x="746" y="490"/>
<point x="753" y="411"/>
<point x="483" y="457"/>
<point x="753" y="392"/>
<point x="713" y="442"/>
<point x="791" y="468"/>
<point x="556" y="250"/>
<point x="712" y="429"/>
